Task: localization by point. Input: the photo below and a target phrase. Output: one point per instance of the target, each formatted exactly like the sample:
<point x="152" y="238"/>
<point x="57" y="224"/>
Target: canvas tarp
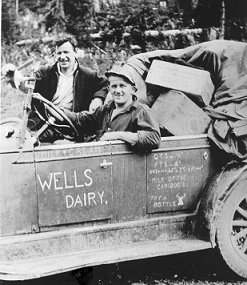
<point x="227" y="63"/>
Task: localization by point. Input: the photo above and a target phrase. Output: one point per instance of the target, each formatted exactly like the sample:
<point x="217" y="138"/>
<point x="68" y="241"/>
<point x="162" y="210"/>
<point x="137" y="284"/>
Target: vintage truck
<point x="74" y="205"/>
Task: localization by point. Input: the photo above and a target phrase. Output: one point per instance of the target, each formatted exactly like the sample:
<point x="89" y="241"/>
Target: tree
<point x="78" y="15"/>
<point x="10" y="29"/>
<point x="207" y="13"/>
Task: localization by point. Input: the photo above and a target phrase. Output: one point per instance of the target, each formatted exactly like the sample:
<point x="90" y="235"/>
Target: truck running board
<point x="49" y="265"/>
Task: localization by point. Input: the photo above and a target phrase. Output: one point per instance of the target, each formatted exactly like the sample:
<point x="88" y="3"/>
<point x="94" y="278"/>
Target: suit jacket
<point x="87" y="85"/>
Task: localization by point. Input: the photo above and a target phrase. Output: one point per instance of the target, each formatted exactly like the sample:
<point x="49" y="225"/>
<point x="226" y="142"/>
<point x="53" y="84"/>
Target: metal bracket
<point x="105" y="163"/>
<point x="205" y="155"/>
<point x="35" y="228"/>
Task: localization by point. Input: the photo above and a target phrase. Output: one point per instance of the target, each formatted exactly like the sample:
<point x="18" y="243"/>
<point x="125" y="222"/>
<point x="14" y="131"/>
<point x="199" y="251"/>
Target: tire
<point x="231" y="229"/>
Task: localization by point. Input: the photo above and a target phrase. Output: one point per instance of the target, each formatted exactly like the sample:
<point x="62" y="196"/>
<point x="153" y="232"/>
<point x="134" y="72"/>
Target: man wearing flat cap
<point x="124" y="118"/>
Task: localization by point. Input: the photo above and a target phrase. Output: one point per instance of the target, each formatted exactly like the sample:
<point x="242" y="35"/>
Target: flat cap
<point x="121" y="71"/>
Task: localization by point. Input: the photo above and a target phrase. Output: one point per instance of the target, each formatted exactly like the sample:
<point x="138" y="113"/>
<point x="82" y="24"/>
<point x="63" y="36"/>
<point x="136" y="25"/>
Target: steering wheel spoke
<point x="52" y="116"/>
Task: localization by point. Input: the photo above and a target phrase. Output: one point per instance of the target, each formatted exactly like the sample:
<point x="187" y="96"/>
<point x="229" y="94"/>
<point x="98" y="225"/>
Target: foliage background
<point x="109" y="30"/>
<point x="120" y="24"/>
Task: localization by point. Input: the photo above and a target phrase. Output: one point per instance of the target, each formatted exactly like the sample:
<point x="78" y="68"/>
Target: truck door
<point x="74" y="183"/>
<point x="177" y="173"/>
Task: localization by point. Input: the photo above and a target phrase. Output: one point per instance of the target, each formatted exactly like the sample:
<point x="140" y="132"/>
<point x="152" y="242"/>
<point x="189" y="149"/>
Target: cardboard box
<point x="193" y="82"/>
<point x="179" y="115"/>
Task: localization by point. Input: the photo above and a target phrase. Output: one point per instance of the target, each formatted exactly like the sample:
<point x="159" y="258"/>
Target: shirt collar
<point x="74" y="69"/>
<point x="111" y="105"/>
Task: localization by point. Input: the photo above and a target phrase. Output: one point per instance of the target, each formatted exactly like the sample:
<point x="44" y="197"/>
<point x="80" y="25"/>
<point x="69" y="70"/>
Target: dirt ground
<point x="196" y="268"/>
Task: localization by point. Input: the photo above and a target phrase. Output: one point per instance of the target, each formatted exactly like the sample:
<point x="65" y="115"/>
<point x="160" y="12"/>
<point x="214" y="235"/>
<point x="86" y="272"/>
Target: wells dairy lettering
<point x="85" y="199"/>
<point x="72" y="189"/>
<point x="61" y="181"/>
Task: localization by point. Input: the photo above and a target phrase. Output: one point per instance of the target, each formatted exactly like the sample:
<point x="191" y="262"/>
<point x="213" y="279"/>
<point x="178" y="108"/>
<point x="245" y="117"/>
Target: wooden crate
<point x="179" y="115"/>
<point x="193" y="82"/>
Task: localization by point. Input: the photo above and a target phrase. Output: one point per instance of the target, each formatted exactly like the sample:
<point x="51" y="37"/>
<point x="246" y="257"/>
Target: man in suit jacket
<point x="68" y="84"/>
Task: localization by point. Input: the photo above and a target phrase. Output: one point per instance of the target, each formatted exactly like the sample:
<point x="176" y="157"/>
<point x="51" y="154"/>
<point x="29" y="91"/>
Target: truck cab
<point x="69" y="206"/>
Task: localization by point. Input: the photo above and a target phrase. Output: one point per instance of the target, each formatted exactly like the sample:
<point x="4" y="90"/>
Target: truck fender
<point x="217" y="191"/>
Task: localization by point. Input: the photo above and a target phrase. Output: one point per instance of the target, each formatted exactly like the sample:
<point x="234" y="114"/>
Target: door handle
<point x="105" y="163"/>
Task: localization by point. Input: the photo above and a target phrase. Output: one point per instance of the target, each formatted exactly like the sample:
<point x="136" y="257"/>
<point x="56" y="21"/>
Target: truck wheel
<point x="232" y="229"/>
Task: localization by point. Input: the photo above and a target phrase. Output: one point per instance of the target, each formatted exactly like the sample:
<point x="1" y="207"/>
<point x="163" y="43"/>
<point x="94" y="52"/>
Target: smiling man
<point x="68" y="84"/>
<point x="124" y="118"/>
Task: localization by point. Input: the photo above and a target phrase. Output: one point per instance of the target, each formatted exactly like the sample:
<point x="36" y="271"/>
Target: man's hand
<point x="128" y="137"/>
<point x="96" y="102"/>
<point x="110" y="136"/>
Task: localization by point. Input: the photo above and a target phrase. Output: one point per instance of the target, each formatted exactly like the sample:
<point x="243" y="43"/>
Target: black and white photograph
<point x="123" y="142"/>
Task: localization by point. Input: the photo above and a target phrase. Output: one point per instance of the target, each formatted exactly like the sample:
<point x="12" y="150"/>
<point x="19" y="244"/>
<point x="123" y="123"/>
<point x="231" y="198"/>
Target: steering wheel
<point x="53" y="116"/>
